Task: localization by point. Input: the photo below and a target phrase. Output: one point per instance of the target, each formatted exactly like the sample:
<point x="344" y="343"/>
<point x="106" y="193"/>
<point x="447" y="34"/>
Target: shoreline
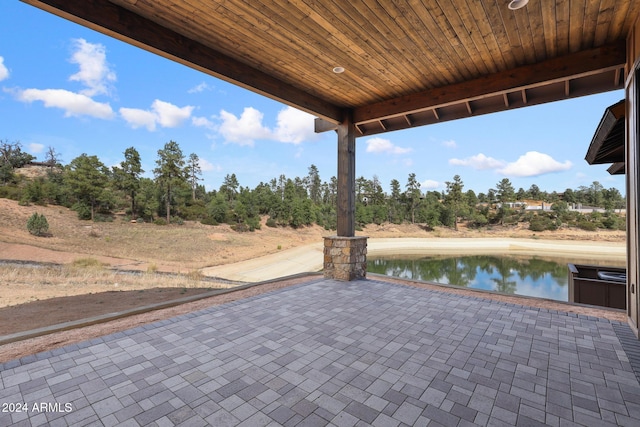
<point x="493" y="245"/>
<point x="308" y="258"/>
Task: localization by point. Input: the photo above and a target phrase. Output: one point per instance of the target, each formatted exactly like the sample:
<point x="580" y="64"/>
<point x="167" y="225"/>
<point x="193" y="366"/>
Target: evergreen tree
<point x="505" y="191"/>
<point x="314" y="184"/>
<point x="230" y="186"/>
<point x="505" y="194"/>
<point x="534" y="192"/>
<point x="377" y="194"/>
<point x="413" y="194"/>
<point x="38" y="224"/>
<point x="395" y="203"/>
<point x="194" y="171"/>
<point x="147" y="203"/>
<point x="170" y="172"/>
<point x="87" y="178"/>
<point x="127" y="176"/>
<point x="455" y="198"/>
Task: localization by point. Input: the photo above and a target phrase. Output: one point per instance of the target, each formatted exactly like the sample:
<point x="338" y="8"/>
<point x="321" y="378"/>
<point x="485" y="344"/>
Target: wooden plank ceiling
<point x="407" y="63"/>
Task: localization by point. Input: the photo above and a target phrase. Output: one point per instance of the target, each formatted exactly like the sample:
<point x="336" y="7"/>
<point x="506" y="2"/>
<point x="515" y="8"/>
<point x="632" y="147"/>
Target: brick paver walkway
<point x="331" y="353"/>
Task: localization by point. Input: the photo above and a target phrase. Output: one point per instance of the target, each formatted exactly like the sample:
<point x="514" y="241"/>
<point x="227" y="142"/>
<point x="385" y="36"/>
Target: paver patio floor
<point x="333" y="353"/>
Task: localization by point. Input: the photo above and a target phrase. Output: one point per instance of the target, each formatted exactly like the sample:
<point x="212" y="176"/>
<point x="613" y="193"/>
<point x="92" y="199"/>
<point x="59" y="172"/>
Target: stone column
<point x="345" y="258"/>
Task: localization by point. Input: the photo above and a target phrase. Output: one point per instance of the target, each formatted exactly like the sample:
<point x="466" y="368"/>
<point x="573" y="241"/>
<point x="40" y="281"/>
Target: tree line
<point x="175" y="194"/>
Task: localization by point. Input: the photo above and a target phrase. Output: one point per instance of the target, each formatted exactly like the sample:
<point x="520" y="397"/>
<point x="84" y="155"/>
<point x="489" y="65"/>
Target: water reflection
<point x="532" y="276"/>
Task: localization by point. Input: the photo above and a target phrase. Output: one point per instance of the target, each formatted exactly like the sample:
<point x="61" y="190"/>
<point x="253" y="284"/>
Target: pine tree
<point x="87" y="177"/>
<point x="38" y="224"/>
<point x="455" y="198"/>
<point x="128" y="175"/>
<point x="170" y="171"/>
<point x="194" y="171"/>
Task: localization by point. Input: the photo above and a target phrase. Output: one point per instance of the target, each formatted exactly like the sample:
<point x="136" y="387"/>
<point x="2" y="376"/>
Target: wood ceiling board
<point x="395" y="53"/>
<point x="557" y="69"/>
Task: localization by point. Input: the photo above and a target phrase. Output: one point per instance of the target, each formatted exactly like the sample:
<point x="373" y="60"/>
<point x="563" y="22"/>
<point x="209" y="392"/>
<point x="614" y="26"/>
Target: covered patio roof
<point x="405" y="65"/>
<point x="607" y="145"/>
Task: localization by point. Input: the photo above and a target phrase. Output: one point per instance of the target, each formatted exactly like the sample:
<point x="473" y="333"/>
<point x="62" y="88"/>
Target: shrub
<point x="271" y="223"/>
<point x="241" y="228"/>
<point x="542" y="223"/>
<point x="253" y="223"/>
<point x="587" y="225"/>
<point x="38" y="225"/>
<point x="477" y="220"/>
<point x="208" y="221"/>
<point x="195" y="211"/>
<point x="10" y="192"/>
<point x="83" y="211"/>
<point x="102" y="218"/>
<point x="160" y="221"/>
<point x="610" y="222"/>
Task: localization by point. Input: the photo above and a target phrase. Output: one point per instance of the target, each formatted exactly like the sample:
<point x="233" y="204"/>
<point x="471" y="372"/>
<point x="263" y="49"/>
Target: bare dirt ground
<point x="121" y="245"/>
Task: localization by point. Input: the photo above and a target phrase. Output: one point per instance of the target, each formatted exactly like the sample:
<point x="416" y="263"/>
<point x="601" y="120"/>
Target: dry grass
<point x="85" y="276"/>
<point x="185" y="247"/>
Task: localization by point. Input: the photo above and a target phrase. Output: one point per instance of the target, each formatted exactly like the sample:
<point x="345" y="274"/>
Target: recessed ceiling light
<point x="517" y="4"/>
<point x="338" y="70"/>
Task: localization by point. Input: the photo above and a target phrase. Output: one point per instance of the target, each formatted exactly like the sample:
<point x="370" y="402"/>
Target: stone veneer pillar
<point x="345" y="258"/>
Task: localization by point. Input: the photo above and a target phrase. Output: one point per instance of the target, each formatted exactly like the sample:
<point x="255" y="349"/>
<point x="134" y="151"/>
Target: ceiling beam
<point x="122" y="24"/>
<point x="553" y="70"/>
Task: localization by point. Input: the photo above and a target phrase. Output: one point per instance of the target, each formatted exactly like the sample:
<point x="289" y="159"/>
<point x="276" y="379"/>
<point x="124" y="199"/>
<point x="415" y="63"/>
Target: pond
<point x="536" y="277"/>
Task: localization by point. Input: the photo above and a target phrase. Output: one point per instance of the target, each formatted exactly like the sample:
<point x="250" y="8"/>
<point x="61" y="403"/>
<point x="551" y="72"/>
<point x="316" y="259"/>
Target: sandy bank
<point x="308" y="258"/>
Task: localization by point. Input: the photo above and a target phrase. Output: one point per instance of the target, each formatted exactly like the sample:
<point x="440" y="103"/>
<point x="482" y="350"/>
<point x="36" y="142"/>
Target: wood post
<point x="345" y="255"/>
<point x="346" y="208"/>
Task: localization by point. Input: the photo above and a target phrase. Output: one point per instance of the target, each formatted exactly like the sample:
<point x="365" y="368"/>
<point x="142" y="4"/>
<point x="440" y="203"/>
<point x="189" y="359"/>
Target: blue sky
<point x="78" y="91"/>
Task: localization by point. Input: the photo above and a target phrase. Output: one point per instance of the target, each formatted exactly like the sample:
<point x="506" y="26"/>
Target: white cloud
<point x="139" y="118"/>
<point x="161" y="113"/>
<point x="478" y="162"/>
<point x="200" y="88"/>
<point x="430" y="184"/>
<point x="94" y="72"/>
<point x="243" y="130"/>
<point x="169" y="115"/>
<point x="202" y="122"/>
<point x="74" y="104"/>
<point x="36" y="148"/>
<point x="4" y="71"/>
<point x="207" y="166"/>
<point x="381" y="145"/>
<point x="295" y="126"/>
<point x="450" y="144"/>
<point x="534" y="163"/>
